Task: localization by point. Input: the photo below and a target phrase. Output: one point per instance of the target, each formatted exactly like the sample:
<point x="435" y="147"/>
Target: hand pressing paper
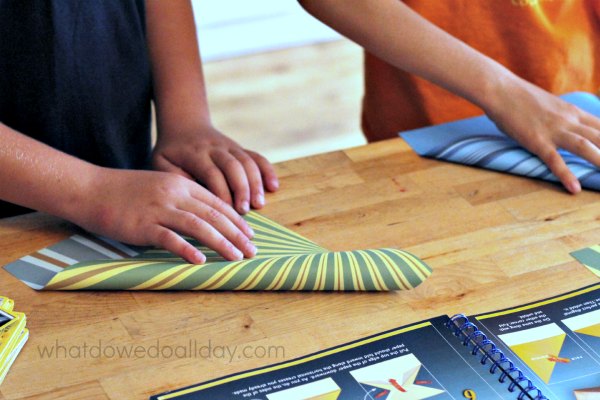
<point x="284" y="261"/>
<point x="478" y="142"/>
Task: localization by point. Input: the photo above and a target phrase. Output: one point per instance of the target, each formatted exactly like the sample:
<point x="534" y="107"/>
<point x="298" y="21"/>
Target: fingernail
<point x="251" y="248"/>
<point x="250" y="231"/>
<point x="574" y="187"/>
<point x="199" y="258"/>
<point x="238" y="255"/>
<point x="260" y="199"/>
<point x="275" y="184"/>
<point x="245" y="207"/>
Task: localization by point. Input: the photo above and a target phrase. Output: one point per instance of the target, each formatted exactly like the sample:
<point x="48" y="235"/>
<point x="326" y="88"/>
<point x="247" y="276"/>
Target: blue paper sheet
<point x="477" y="141"/>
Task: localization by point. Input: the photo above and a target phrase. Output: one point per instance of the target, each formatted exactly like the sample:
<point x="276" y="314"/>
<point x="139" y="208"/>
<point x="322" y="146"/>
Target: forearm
<point x="37" y="176"/>
<point x="179" y="88"/>
<point x="398" y="35"/>
<point x="188" y="144"/>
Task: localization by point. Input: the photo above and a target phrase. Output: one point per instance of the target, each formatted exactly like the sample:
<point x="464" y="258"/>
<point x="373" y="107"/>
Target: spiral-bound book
<point x="544" y="350"/>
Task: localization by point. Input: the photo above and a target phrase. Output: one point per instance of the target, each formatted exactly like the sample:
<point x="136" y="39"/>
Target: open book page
<point x="412" y="362"/>
<point x="556" y="342"/>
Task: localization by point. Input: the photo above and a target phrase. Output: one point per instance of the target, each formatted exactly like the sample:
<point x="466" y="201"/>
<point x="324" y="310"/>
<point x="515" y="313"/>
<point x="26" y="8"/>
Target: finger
<point x="590" y="120"/>
<point x="590" y="133"/>
<point x="169" y="240"/>
<point x="236" y="178"/>
<point x="210" y="175"/>
<point x="581" y="146"/>
<point x="254" y="178"/>
<point x="161" y="163"/>
<point x="223" y="225"/>
<point x="204" y="196"/>
<point x="189" y="224"/>
<point x="267" y="171"/>
<point x="557" y="165"/>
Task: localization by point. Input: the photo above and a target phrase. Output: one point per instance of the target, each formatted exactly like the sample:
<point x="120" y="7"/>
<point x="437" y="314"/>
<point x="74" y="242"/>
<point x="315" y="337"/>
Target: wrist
<point x="87" y="184"/>
<point x="173" y="123"/>
<point x="499" y="90"/>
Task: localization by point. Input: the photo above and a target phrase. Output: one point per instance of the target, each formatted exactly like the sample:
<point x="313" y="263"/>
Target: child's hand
<point x="188" y="144"/>
<point x="154" y="208"/>
<point x="219" y="163"/>
<point x="542" y="123"/>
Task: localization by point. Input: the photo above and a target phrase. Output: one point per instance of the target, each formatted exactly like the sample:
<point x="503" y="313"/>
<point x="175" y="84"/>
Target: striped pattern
<point x="478" y="142"/>
<point x="285" y="261"/>
<point x="270" y="239"/>
<point x="590" y="257"/>
<point x="37" y="269"/>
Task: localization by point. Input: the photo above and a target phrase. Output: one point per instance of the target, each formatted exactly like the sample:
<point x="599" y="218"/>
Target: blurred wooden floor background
<point x="290" y="103"/>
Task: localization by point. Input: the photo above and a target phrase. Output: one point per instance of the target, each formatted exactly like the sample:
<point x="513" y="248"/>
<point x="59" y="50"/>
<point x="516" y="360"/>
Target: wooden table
<point x="493" y="241"/>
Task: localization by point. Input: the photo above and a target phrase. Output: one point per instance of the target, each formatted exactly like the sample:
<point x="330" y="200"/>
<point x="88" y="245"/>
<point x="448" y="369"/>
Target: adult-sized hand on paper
<point x="235" y="175"/>
<point x="154" y="208"/>
<point x="542" y="123"/>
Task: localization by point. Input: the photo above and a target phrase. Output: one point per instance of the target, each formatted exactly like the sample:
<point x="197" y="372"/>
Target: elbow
<point x="309" y="6"/>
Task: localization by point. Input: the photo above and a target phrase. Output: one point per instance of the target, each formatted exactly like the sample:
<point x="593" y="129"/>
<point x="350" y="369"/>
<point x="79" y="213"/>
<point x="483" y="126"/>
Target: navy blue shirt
<point x="75" y="74"/>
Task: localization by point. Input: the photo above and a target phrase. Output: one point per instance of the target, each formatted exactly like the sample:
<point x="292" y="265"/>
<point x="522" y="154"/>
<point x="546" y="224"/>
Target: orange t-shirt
<point x="554" y="44"/>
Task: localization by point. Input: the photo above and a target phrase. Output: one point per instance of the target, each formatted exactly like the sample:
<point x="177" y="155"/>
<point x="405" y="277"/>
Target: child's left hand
<point x="219" y="163"/>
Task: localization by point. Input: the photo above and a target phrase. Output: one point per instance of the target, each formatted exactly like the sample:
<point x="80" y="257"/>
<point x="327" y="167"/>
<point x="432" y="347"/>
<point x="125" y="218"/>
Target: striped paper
<point x="590" y="257"/>
<point x="284" y="261"/>
<point x="478" y="142"/>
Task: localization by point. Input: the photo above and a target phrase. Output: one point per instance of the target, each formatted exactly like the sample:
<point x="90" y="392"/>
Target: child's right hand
<point x="155" y="208"/>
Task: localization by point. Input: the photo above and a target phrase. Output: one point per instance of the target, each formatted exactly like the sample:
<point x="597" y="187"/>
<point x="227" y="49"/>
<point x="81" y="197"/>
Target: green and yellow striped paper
<point x="284" y="261"/>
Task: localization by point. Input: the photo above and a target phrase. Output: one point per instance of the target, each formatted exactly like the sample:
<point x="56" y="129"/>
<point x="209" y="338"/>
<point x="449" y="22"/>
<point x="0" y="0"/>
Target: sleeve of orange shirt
<point x="596" y="7"/>
<point x="554" y="46"/>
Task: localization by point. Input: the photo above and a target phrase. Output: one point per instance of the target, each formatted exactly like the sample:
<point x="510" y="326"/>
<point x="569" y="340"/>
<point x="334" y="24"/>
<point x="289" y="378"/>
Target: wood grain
<point x="493" y="241"/>
<point x="290" y="103"/>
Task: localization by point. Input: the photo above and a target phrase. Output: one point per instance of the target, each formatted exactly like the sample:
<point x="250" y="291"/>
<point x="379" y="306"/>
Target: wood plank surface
<point x="493" y="241"/>
<point x="290" y="103"/>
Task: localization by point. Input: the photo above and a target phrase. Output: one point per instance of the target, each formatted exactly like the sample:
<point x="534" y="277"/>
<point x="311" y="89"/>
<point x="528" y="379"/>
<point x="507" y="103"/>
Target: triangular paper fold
<point x="284" y="261"/>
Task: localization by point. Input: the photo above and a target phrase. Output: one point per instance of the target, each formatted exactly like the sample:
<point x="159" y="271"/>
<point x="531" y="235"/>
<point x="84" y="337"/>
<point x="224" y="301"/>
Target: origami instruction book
<point x="547" y="350"/>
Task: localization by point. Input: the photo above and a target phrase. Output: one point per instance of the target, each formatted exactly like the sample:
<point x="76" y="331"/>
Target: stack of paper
<point x="13" y="335"/>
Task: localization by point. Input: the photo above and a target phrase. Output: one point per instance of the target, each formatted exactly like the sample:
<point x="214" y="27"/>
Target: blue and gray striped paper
<point x="478" y="142"/>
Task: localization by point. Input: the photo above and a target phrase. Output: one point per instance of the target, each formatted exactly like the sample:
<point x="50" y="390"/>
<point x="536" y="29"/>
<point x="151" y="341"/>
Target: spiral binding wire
<point x="480" y="344"/>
